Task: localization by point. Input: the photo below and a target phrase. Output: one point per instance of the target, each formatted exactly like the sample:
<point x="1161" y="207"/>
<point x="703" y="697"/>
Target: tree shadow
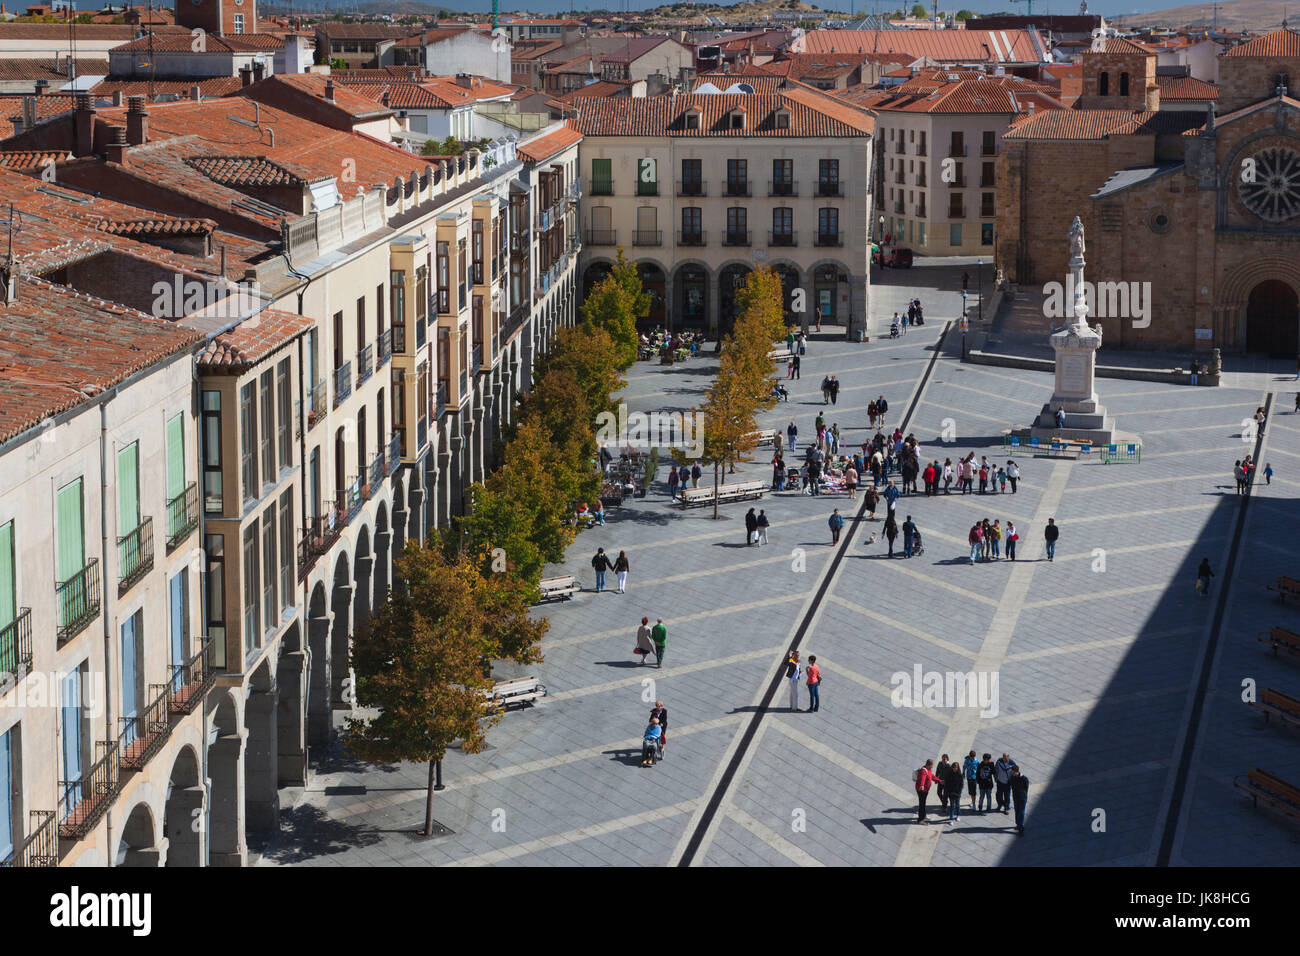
<point x="307" y="833"/>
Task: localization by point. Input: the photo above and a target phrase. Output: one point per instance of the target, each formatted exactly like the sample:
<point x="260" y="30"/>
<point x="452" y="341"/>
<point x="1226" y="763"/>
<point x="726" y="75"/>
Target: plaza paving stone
<point x="1097" y="664"/>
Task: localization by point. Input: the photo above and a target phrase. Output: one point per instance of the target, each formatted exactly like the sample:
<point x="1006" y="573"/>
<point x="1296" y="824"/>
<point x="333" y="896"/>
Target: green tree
<point x="424" y="662"/>
<point x="918" y="11"/>
<point x="964" y="15"/>
<point x="590" y="357"/>
<point x="614" y="304"/>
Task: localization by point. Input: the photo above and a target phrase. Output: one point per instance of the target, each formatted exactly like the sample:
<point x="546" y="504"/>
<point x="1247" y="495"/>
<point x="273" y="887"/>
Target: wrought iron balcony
<point x="182" y="515"/>
<point x="318" y="537"/>
<point x="783" y="238"/>
<point x="602" y="187"/>
<point x="41" y="848"/>
<point x="956" y="212"/>
<point x="135" y="555"/>
<point x="342" y="383"/>
<point x="602" y="237"/>
<point x="987" y="211"/>
<point x="830" y="239"/>
<point x="16" y="649"/>
<point x="83" y="802"/>
<point x="691" y="237"/>
<point x="738" y="237"/>
<point x="956" y="150"/>
<point x="920" y="149"/>
<point x="385" y="347"/>
<point x="354" y="499"/>
<point x="375" y="475"/>
<point x="826" y="187"/>
<point x="783" y="187"/>
<point x="734" y="187"/>
<point x="365" y="365"/>
<point x="648" y="237"/>
<point x="191" y="681"/>
<point x="476" y="359"/>
<point x="692" y="188"/>
<point x="79" y="600"/>
<point x="144" y="734"/>
<point x="317" y="396"/>
<point x="394" y="454"/>
<point x="464" y="388"/>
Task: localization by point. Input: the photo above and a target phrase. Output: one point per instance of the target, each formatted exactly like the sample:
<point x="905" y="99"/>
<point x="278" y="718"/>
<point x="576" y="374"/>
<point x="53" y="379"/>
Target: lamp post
<point x="979" y="267"/>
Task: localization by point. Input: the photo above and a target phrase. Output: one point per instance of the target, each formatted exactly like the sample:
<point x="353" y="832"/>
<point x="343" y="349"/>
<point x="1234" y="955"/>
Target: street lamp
<point x="979" y="266"/>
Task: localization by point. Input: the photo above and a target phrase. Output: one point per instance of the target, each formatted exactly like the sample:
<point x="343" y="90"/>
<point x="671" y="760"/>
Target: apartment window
<point x="986" y="174"/>
<point x="737" y="177"/>
<point x="602" y="177"/>
<point x="397" y="297"/>
<point x="285" y="433"/>
<point x="239" y="23"/>
<point x="444" y="278"/>
<point x="1103" y="84"/>
<point x="986" y="234"/>
<point x="286" y="549"/>
<point x="72" y="725"/>
<point x="128" y="496"/>
<point x="647" y="226"/>
<point x="10" y="820"/>
<point x="338" y="340"/>
<point x="313" y="484"/>
<point x="920" y="145"/>
<point x="828" y="176"/>
<point x="783" y="177"/>
<point x="957" y="146"/>
<point x="270" y="609"/>
<point x="647" y="177"/>
<point x="310" y="370"/>
<point x="737" y="225"/>
<point x="379" y="310"/>
<point x="692" y="177"/>
<point x="70" y="554"/>
<point x="782" y="119"/>
<point x="362" y="338"/>
<point x="211" y="425"/>
<point x="692" y="120"/>
<point x="692" y="224"/>
<point x="986" y="205"/>
<point x="268" y="426"/>
<point x="399" y="406"/>
<point x="782" y="224"/>
<point x="989" y="145"/>
<point x="252" y="615"/>
<point x="444" y="354"/>
<point x="178" y="625"/>
<point x="132" y="675"/>
<point x="477" y="252"/>
<point x="956" y="209"/>
<point x="8" y="594"/>
<point x="954" y="234"/>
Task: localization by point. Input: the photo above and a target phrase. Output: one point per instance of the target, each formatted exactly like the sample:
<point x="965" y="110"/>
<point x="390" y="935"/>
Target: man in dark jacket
<point x="600" y="563"/>
<point x="1019" y="796"/>
<point x="1050" y="534"/>
<point x="954" y="781"/>
<point x="751" y="526"/>
<point x="1002" y="779"/>
<point x="909" y="533"/>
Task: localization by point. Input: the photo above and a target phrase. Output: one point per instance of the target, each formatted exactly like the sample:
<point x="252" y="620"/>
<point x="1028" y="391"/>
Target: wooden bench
<point x="520" y="691"/>
<point x="553" y="589"/>
<point x="739" y="491"/>
<point x="1274" y="791"/>
<point x="779" y="355"/>
<point x="1276" y="704"/>
<point x="764" y="436"/>
<point x="1286" y="587"/>
<point x="1283" y="640"/>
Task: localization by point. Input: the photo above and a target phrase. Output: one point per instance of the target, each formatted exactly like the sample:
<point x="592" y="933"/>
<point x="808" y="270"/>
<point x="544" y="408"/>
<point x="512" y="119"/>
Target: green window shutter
<point x="601" y="174"/>
<point x="128" y="489"/>
<point x="71" y="556"/>
<point x="175" y="457"/>
<point x="7" y="592"/>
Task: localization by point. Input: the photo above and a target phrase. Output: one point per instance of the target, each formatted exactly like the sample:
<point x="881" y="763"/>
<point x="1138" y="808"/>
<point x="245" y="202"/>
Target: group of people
<point x="651" y="640"/>
<point x="989" y="778"/>
<point x="1244" y="473"/>
<point x="914" y="315"/>
<point x="681" y="478"/>
<point x="601" y="564"/>
<point x="655" y="739"/>
<point x="660" y="341"/>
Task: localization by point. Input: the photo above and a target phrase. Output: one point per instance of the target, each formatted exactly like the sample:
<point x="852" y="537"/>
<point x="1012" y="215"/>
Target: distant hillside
<point x="360" y="8"/>
<point x="1254" y="15"/>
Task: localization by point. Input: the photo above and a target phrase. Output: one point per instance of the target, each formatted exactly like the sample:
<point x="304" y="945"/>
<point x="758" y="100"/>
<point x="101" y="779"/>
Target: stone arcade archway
<point x="261" y="779"/>
<point x="320" y="718"/>
<point x="340" y="635"/>
<point x="383" y="557"/>
<point x="1273" y="319"/>
<point x="138" y="845"/>
<point x="183" y="815"/>
<point x="655" y="281"/>
<point x="363" y="573"/>
<point x="226" y="770"/>
<point x="291" y="677"/>
<point x="691" y="297"/>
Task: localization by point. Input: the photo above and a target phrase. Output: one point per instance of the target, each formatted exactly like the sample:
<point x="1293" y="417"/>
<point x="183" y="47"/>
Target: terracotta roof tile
<point x="247" y="171"/>
<point x="1174" y="88"/>
<point x="597" y="89"/>
<point x="1279" y="43"/>
<point x="157" y="226"/>
<point x="208" y="86"/>
<point x="811" y="114"/>
<point x="1099" y="124"/>
<point x="16" y="69"/>
<point x="1124" y="45"/>
<point x="31" y="158"/>
<point x="213" y="43"/>
<point x="434" y="92"/>
<point x="769" y="83"/>
<point x="252" y="340"/>
<point x="544" y="147"/>
<point x="960" y="46"/>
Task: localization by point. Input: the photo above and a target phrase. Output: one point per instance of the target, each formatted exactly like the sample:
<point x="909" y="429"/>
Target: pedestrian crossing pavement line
<point x="903" y="626"/>
<point x="919" y="845"/>
<point x="518" y="850"/>
<point x="780" y="558"/>
<point x="898" y="566"/>
<point x="982" y="504"/>
<point x="947" y="409"/>
<point x="1219" y="407"/>
<point x="1111" y="486"/>
<point x="939" y="717"/>
<point x="724" y="805"/>
<point x="1101" y="644"/>
<point x="1097" y="595"/>
<point x="677" y="621"/>
<point x="857" y="409"/>
<point x="997" y="399"/>
<point x="1284" y="452"/>
<point x="660" y="674"/>
<point x="780" y="844"/>
<point x="1226" y="426"/>
<point x="847" y="764"/>
<point x="1206" y="506"/>
<point x="1260" y="485"/>
<point x="1142" y="548"/>
<point x="1078" y="706"/>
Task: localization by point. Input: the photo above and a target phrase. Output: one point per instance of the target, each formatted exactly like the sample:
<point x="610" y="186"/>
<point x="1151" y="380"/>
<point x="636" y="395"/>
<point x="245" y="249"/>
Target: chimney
<point x="387" y="98"/>
<point x="245" y="75"/>
<point x="329" y="90"/>
<point x="464" y="79"/>
<point x="259" y="70"/>
<point x="116" y="148"/>
<point x="84" y="120"/>
<point x="196" y="94"/>
<point x="137" y="121"/>
<point x="42" y="87"/>
<point x="8" y="280"/>
<point x="116" y="98"/>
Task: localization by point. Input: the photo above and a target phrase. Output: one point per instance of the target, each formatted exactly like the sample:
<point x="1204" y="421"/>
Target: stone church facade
<point x="1194" y="218"/>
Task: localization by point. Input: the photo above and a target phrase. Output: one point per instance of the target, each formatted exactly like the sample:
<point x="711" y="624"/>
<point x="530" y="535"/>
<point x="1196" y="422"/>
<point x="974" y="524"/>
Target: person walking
<point x="697" y="472"/>
<point x="970" y="769"/>
<point x="1002" y="779"/>
<point x="947" y="475"/>
<point x="891" y="531"/>
<point x="1013" y="475"/>
<point x="995" y="540"/>
<point x="836" y="521"/>
<point x="965" y="281"/>
<point x="835" y="389"/>
<point x="1050" y="534"/>
<point x="984" y="780"/>
<point x="872" y="500"/>
<point x="984" y="476"/>
<point x="1012" y="537"/>
<point x="621" y="569"/>
<point x="600" y="564"/>
<point x="1239" y="475"/>
<point x="891" y="497"/>
<point x="851" y="482"/>
<point x="793" y="673"/>
<point x="924" y="778"/>
<point x="762" y="526"/>
<point x="941" y="780"/>
<point x="672" y="483"/>
<point x="814" y="675"/>
<point x="659" y="635"/>
<point x="792" y="436"/>
<point x="660" y="713"/>
<point x="826" y="389"/>
<point x="789" y="341"/>
<point x="751" y="527"/>
<point x="871" y="410"/>
<point x="1203" y="575"/>
<point x="954" y="782"/>
<point x="1019" y="797"/>
<point x="909" y="534"/>
<point x="976" y="539"/>
<point x="789" y="368"/>
<point x="1268" y="473"/>
<point x="882" y="409"/>
<point x="796" y="361"/>
<point x="644" y="645"/>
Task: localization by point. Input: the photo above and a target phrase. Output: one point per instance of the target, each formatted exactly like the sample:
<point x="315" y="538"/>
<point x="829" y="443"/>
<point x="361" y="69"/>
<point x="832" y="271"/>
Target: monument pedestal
<point x="1076" y="365"/>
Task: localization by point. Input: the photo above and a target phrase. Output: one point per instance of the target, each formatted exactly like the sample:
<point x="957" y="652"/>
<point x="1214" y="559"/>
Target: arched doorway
<point x="383" y="555"/>
<point x="261" y="778"/>
<point x="362" y="570"/>
<point x="340" y="637"/>
<point x="654" y="281"/>
<point x="730" y="281"/>
<point x="184" y="809"/>
<point x="1273" y="319"/>
<point x="320" y="720"/>
<point x="691" y="287"/>
<point x="226" y="770"/>
<point x="138" y="844"/>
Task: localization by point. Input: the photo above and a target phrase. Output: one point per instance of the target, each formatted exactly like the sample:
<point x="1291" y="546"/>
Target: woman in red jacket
<point x="924" y="778"/>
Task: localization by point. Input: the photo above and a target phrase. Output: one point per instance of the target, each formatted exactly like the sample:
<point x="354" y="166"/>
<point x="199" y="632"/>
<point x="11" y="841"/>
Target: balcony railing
<point x="787" y="187"/>
<point x="956" y="212"/>
<point x="574" y="189"/>
<point x="988" y="182"/>
<point x="602" y="187"/>
<point x="691" y="238"/>
<point x="394" y="454"/>
<point x="191" y="681"/>
<point x="182" y="515"/>
<point x="602" y="237"/>
<point x="385" y="347"/>
<point x="920" y="180"/>
<point x="735" y="237"/>
<point x="827" y="188"/>
<point x="16" y="648"/>
<point x="544" y="220"/>
<point x="920" y="149"/>
<point x="898" y="178"/>
<point x="318" y="395"/>
<point x="987" y="150"/>
<point x="692" y="188"/>
<point x="144" y="734"/>
<point x="648" y="237"/>
<point x="440" y="400"/>
<point x="353" y="498"/>
<point x="79" y="598"/>
<point x="898" y="207"/>
<point x="41" y="848"/>
<point x="956" y="150"/>
<point x="463" y="394"/>
<point x="782" y="239"/>
<point x="830" y="238"/>
<point x="365" y="366"/>
<point x="422" y="432"/>
<point x="476" y="359"/>
<point x="342" y="383"/>
<point x="736" y="188"/>
<point x="83" y="802"/>
<point x="318" y="537"/>
<point x="135" y="555"/>
<point x="920" y="210"/>
<point x="375" y="474"/>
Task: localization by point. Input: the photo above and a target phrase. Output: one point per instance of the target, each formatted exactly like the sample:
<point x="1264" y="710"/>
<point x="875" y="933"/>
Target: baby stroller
<point x="917" y="549"/>
<point x="893" y="329"/>
<point x="650" y="750"/>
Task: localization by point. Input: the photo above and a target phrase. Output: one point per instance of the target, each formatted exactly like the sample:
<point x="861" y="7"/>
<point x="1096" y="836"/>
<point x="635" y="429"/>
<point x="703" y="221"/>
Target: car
<point x="891" y="255"/>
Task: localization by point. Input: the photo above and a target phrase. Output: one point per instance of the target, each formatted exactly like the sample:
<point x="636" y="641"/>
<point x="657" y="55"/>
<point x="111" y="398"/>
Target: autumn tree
<point x="424" y="661"/>
<point x="590" y="358"/>
<point x="614" y="304"/>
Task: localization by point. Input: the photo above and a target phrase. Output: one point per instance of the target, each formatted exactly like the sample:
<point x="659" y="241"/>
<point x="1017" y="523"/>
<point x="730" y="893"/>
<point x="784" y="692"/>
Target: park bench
<point x="764" y="436"/>
<point x="738" y="491"/>
<point x="1275" y="703"/>
<point x="519" y="691"/>
<point x="553" y="589"/>
<point x="1274" y="791"/>
<point x="779" y="355"/>
<point x="1282" y="639"/>
<point x="1286" y="586"/>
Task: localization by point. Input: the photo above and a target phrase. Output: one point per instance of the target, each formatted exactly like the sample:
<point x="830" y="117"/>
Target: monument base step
<point x="1047" y="419"/>
<point x="1102" y="435"/>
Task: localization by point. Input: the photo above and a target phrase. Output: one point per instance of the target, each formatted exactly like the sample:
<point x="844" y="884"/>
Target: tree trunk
<point x="428" y="804"/>
<point x="715" y="491"/>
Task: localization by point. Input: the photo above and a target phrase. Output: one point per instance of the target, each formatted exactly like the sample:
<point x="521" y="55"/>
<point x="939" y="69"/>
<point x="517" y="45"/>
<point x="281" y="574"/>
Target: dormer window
<point x="692" y="119"/>
<point x="782" y="119"/>
<point x="736" y="119"/>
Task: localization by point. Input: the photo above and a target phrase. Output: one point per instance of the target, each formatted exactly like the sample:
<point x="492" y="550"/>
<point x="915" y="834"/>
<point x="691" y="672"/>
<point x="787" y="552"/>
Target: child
<point x="1002" y="480"/>
<point x="984" y="478"/>
<point x="1268" y="473"/>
